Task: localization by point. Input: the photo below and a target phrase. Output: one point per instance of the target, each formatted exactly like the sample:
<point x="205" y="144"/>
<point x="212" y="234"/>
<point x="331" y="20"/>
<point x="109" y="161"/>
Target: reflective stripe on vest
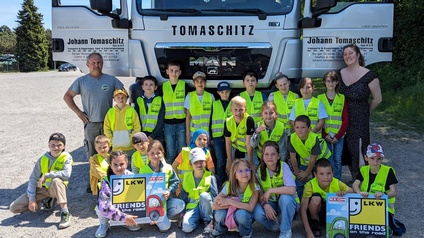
<point x="174" y="100"/>
<point x="149" y="118"/>
<point x="166" y="168"/>
<point x="103" y="163"/>
<point x="137" y="158"/>
<point x="334" y="187"/>
<point x="218" y="118"/>
<point x="200" y="111"/>
<point x="275" y="135"/>
<point x="334" y="120"/>
<point x="304" y="149"/>
<point x="254" y="106"/>
<point x="284" y="107"/>
<point x="274" y="182"/>
<point x="311" y="111"/>
<point x="129" y="118"/>
<point x="194" y="192"/>
<point x="246" y="195"/>
<point x="57" y="165"/>
<point x="379" y="184"/>
<point x="238" y="132"/>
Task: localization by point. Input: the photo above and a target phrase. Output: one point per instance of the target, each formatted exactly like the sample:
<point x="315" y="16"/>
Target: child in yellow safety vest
<point x="182" y="163"/>
<point x="283" y="98"/>
<point x="337" y="122"/>
<point x="279" y="192"/>
<point x="198" y="106"/>
<point x="310" y="106"/>
<point x="305" y="149"/>
<point x="99" y="162"/>
<point x="238" y="130"/>
<point x="139" y="158"/>
<point x="199" y="191"/>
<point x="121" y="123"/>
<point x="234" y="205"/>
<point x="48" y="180"/>
<point x="379" y="179"/>
<point x="221" y="110"/>
<point x="312" y="206"/>
<point x="254" y="99"/>
<point x="151" y="110"/>
<point x="269" y="128"/>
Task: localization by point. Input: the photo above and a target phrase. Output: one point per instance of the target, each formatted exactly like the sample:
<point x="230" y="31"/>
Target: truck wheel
<point x="154" y="215"/>
<point x="339" y="235"/>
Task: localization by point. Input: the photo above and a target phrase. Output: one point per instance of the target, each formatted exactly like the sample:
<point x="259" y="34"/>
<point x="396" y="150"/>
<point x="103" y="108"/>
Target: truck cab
<point x="222" y="38"/>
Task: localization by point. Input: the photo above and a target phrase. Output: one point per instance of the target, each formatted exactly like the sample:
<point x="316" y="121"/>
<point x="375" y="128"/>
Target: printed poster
<point x="139" y="195"/>
<point x="356" y="217"/>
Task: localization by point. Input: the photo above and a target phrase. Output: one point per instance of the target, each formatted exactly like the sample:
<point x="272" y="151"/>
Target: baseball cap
<point x="199" y="74"/>
<point x="59" y="137"/>
<point x="223" y="86"/>
<point x="139" y="137"/>
<point x="120" y="91"/>
<point x="197" y="154"/>
<point x="375" y="150"/>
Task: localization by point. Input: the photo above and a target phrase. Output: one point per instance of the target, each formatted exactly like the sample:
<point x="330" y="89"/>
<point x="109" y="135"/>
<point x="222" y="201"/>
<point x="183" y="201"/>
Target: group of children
<point x="279" y="153"/>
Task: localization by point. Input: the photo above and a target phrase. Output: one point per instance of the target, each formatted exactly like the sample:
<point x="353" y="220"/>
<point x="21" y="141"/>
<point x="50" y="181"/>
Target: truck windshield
<point x="214" y="7"/>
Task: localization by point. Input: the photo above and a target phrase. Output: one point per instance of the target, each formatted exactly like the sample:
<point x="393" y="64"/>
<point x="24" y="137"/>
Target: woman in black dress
<point x="357" y="84"/>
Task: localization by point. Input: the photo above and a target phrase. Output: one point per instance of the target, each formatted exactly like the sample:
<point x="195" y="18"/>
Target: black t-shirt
<point x="391" y="179"/>
<point x="250" y="125"/>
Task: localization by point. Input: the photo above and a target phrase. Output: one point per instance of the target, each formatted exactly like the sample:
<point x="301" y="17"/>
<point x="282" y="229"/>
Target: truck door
<point x="369" y="25"/>
<point x="79" y="30"/>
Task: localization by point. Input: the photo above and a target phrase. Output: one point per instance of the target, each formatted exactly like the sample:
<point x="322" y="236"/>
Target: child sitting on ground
<point x="49" y="179"/>
<point x="99" y="162"/>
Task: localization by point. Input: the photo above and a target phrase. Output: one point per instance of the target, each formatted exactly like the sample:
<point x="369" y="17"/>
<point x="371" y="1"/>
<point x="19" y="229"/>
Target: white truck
<point x="222" y="38"/>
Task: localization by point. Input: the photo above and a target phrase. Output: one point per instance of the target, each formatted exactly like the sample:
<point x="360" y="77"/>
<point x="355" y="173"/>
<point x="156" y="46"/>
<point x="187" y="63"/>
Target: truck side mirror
<point x="103" y="6"/>
<point x="323" y="6"/>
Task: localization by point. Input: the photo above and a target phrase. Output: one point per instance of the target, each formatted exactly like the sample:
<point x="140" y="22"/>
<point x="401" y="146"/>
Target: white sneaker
<point x="285" y="234"/>
<point x="102" y="230"/>
<point x="248" y="236"/>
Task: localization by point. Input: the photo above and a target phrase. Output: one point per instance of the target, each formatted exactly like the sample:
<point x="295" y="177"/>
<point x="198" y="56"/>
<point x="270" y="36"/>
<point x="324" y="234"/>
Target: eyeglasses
<point x="247" y="170"/>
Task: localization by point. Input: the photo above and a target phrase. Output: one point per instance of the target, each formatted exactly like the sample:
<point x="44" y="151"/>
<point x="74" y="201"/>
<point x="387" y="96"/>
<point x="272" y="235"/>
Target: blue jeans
<point x="221" y="159"/>
<point x="286" y="207"/>
<point x="336" y="157"/>
<point x="202" y="211"/>
<point x="174" y="206"/>
<point x="175" y="139"/>
<point x="243" y="219"/>
<point x="300" y="185"/>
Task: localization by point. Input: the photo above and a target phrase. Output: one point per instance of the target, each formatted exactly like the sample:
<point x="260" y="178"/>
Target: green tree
<point x="7" y="40"/>
<point x="31" y="43"/>
<point x="50" y="62"/>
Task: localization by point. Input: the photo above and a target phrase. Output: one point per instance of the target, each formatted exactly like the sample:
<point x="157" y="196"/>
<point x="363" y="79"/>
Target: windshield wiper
<point x="190" y="11"/>
<point x="259" y="12"/>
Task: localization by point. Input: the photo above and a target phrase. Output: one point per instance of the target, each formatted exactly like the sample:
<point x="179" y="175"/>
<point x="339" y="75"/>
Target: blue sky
<point x="10" y="8"/>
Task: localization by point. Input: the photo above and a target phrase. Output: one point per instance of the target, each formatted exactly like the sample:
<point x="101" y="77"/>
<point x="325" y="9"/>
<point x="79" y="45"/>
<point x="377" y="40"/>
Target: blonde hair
<point x="102" y="139"/>
<point x="233" y="182"/>
<point x="239" y="101"/>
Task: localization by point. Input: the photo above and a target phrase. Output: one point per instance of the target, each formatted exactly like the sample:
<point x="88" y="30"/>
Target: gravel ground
<point x="33" y="109"/>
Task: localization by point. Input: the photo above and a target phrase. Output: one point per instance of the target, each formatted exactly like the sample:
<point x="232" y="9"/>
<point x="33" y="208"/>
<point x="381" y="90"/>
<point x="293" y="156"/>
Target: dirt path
<point x="32" y="108"/>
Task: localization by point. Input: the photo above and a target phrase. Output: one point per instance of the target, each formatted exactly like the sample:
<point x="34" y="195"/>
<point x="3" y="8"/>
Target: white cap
<point x="197" y="154"/>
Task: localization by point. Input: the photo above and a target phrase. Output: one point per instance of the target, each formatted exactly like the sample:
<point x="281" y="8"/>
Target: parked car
<point x="67" y="67"/>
